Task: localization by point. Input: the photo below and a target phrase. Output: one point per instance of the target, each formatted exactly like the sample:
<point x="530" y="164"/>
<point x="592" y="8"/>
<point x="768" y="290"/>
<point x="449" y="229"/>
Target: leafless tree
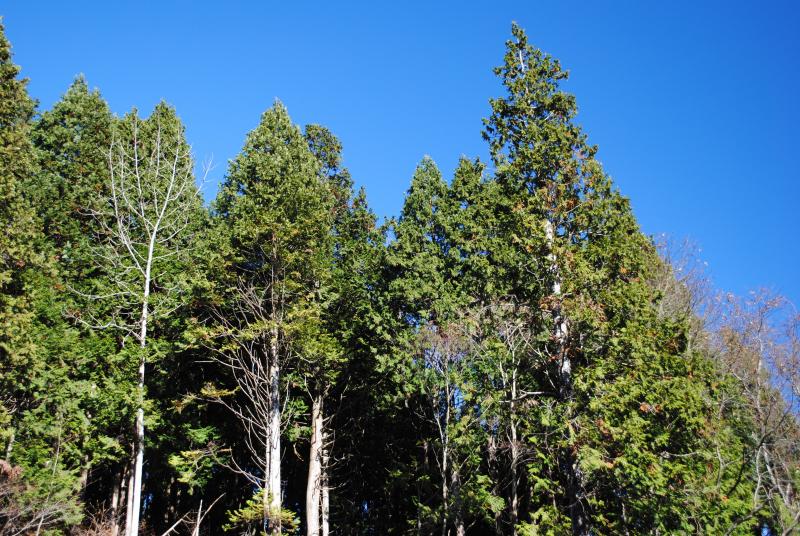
<point x="246" y="344"/>
<point x="685" y="288"/>
<point x="755" y="340"/>
<point x="759" y="344"/>
<point x="144" y="229"/>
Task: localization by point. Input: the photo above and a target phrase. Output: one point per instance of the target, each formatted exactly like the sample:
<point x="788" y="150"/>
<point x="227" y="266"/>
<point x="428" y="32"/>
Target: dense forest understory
<point x="511" y="355"/>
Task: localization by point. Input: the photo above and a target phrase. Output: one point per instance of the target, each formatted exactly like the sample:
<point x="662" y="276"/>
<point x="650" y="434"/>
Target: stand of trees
<point x="510" y="356"/>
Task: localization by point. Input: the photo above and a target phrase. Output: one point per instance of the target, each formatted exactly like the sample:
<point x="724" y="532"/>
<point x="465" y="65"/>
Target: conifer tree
<point x="82" y="399"/>
<point x="436" y="283"/>
<point x="19" y="257"/>
<point x="607" y="436"/>
<point x="275" y="219"/>
<point x="36" y="491"/>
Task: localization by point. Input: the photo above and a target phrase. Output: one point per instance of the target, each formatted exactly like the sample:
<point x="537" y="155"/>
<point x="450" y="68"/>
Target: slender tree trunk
<point x="514" y="513"/>
<point x="314" y="484"/>
<point x="139" y="458"/>
<point x="129" y="497"/>
<point x="115" y="495"/>
<point x="10" y="445"/>
<point x="458" y="504"/>
<point x="576" y="505"/>
<point x="83" y="479"/>
<point x="326" y="488"/>
<point x="273" y="496"/>
<point x="445" y="490"/>
<point x="139" y="444"/>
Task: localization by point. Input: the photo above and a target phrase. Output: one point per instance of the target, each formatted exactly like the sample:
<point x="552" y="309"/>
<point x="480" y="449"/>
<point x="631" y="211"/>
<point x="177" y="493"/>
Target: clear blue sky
<point x="694" y="104"/>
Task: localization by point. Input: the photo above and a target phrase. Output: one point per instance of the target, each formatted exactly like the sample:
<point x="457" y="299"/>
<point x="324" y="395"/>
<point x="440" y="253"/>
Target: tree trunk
<point x="139" y="443"/>
<point x="458" y="504"/>
<point x="326" y="489"/>
<point x="574" y="489"/>
<point x="514" y="513"/>
<point x="129" y="498"/>
<point x="136" y="496"/>
<point x="115" y="495"/>
<point x="445" y="490"/>
<point x="83" y="479"/>
<point x="10" y="445"/>
<point x="273" y="496"/>
<point x="314" y="484"/>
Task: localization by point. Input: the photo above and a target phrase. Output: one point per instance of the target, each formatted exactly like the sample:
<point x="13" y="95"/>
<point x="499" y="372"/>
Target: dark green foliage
<point x="21" y="239"/>
<point x="618" y="373"/>
<point x="500" y="359"/>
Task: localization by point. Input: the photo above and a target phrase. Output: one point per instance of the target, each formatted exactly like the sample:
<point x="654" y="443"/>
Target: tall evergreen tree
<point x="36" y="494"/>
<point x="20" y="243"/>
<point x="80" y="397"/>
<point x="438" y="287"/>
<point x="625" y="405"/>
<point x="275" y="218"/>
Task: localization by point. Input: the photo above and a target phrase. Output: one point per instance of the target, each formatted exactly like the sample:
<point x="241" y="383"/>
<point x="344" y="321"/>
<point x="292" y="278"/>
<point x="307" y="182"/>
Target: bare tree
<point x="759" y="344"/>
<point x="246" y="344"/>
<point x="756" y="340"/>
<point x="144" y="232"/>
<point x="442" y="353"/>
<point x="510" y="324"/>
<point x="686" y="290"/>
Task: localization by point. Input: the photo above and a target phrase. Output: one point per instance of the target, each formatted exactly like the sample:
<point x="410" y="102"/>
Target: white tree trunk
<point x="577" y="512"/>
<point x="143" y="209"/>
<point x="274" y="477"/>
<point x="326" y="489"/>
<point x="129" y="498"/>
<point x="10" y="445"/>
<point x="139" y="444"/>
<point x="514" y="440"/>
<point x="314" y="483"/>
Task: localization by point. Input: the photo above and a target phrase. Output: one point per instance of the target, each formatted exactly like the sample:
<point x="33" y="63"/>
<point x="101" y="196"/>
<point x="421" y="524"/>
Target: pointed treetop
<point x="16" y="107"/>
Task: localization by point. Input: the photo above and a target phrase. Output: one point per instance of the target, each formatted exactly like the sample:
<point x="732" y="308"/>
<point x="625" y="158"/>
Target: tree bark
<point x="326" y="489"/>
<point x="576" y="506"/>
<point x="314" y="483"/>
<point x="139" y="459"/>
<point x="273" y="496"/>
<point x="115" y="495"/>
<point x="458" y="504"/>
<point x="514" y="513"/>
<point x="10" y="445"/>
<point x="129" y="498"/>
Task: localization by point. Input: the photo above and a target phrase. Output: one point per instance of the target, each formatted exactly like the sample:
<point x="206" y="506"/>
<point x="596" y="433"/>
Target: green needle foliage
<point x="509" y="356"/>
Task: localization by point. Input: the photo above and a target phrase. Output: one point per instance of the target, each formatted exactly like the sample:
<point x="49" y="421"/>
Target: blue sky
<point x="694" y="105"/>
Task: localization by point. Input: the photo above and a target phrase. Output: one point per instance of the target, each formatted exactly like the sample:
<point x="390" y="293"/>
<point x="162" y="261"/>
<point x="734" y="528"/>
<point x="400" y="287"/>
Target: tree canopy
<point x="510" y="355"/>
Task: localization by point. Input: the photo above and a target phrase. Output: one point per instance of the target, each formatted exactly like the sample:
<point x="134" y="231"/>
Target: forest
<point x="511" y="355"/>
